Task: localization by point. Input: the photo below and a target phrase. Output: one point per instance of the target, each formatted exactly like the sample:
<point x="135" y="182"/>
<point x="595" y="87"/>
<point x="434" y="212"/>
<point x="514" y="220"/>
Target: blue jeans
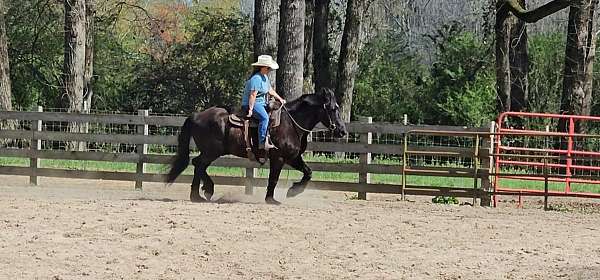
<point x="260" y="112"/>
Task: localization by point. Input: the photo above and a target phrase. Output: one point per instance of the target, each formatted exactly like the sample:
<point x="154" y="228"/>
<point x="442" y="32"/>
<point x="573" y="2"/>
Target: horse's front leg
<point x="298" y="187"/>
<point x="276" y="164"/>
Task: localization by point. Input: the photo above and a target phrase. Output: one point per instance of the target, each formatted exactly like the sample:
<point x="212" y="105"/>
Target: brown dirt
<point x="75" y="229"/>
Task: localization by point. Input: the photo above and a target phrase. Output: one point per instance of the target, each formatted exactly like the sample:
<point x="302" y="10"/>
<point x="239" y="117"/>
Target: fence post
<point x="141" y="150"/>
<point x="404" y="159"/>
<point x="84" y="127"/>
<point x="364" y="177"/>
<point x="35" y="146"/>
<point x="546" y="170"/>
<point x="475" y="168"/>
<point x="309" y="139"/>
<point x="248" y="182"/>
<point x="486" y="164"/>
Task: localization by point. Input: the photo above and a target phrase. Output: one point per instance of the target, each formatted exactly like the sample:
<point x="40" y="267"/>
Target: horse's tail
<point x="182" y="159"/>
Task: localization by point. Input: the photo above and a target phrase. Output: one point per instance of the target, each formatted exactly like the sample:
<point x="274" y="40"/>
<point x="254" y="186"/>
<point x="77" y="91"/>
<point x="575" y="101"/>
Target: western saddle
<point x="249" y="125"/>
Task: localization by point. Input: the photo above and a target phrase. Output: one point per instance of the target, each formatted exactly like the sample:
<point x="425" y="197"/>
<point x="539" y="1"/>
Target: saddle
<point x="249" y="125"/>
<point x="237" y="117"/>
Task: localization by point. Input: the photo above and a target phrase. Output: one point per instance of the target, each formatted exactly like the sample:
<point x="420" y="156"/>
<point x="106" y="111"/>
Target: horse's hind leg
<point x="201" y="163"/>
<point x="195" y="191"/>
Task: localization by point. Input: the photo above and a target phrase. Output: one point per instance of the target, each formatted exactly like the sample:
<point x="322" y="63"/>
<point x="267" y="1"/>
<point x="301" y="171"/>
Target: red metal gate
<point x="564" y="158"/>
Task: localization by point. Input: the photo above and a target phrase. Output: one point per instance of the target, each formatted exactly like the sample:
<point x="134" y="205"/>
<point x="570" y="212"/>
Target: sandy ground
<point x="70" y="229"/>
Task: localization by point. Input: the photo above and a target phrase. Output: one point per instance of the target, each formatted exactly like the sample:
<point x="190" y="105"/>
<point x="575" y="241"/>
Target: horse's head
<point x="330" y="115"/>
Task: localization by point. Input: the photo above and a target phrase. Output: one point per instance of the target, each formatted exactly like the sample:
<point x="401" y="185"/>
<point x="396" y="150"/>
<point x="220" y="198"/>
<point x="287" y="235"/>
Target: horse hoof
<point x="272" y="201"/>
<point x="208" y="195"/>
<point x="294" y="191"/>
<point x="197" y="198"/>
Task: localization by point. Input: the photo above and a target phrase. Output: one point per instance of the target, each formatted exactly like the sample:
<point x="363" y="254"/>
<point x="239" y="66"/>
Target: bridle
<point x="331" y="127"/>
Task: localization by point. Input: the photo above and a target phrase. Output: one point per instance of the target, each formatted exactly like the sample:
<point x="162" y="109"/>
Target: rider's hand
<point x="283" y="101"/>
<point x="249" y="113"/>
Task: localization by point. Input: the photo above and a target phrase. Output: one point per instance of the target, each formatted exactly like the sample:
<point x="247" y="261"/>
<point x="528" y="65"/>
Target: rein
<point x="330" y="128"/>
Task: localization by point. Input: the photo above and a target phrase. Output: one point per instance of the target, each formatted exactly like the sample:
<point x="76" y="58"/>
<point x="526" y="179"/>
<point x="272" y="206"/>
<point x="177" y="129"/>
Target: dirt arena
<point x="71" y="229"/>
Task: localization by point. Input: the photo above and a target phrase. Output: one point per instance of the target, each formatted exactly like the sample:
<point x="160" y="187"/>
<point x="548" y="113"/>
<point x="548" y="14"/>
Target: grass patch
<point x="296" y="175"/>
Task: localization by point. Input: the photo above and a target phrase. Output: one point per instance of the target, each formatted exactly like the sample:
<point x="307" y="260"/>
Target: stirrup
<point x="268" y="144"/>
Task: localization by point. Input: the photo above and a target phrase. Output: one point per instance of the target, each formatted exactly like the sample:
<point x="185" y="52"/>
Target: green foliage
<point x="207" y="66"/>
<point x="471" y="104"/>
<point x="444" y="200"/>
<point x="462" y="90"/>
<point x="207" y="70"/>
<point x="546" y="66"/>
<point x="389" y="83"/>
<point x="114" y="68"/>
<point x="35" y="34"/>
<point x="595" y="86"/>
<point x="458" y="89"/>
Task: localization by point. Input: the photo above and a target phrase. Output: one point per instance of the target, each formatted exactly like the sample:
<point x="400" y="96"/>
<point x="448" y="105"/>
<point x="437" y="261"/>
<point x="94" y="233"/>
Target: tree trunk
<point x="519" y="65"/>
<point x="321" y="57"/>
<point x="348" y="62"/>
<point x="5" y="82"/>
<point x="5" y="86"/>
<point x="290" y="54"/>
<point x="74" y="63"/>
<point x="90" y="12"/>
<point x="579" y="61"/>
<point x="309" y="86"/>
<point x="266" y="20"/>
<point x="512" y="63"/>
<point x="503" y="30"/>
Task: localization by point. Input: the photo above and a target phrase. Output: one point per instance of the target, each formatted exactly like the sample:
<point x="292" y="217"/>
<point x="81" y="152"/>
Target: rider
<point x="254" y="100"/>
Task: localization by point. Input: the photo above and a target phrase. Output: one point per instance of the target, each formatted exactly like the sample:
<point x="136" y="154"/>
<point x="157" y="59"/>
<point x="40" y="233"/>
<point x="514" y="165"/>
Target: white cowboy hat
<point x="266" y="60"/>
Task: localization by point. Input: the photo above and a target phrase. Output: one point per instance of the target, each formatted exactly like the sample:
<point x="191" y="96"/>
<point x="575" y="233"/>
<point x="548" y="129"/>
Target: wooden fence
<point x="478" y="154"/>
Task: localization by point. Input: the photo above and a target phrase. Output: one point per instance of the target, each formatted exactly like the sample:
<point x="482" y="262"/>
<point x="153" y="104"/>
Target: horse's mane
<point x="311" y="99"/>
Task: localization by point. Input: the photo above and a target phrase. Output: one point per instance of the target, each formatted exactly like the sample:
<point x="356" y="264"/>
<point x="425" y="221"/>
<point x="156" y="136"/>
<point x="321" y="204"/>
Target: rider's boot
<point x="267" y="145"/>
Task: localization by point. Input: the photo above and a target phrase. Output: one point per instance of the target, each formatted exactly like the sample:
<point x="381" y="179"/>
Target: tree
<point x="321" y="49"/>
<point x="579" y="54"/>
<point x="579" y="62"/>
<point x="348" y="61"/>
<point x="74" y="62"/>
<point x="90" y="12"/>
<point x="266" y="19"/>
<point x="462" y="88"/>
<point x="547" y="56"/>
<point x="188" y="79"/>
<point x="5" y="83"/>
<point x="290" y="54"/>
<point x="390" y="82"/>
<point x="503" y="27"/>
<point x="36" y="30"/>
<point x="519" y="65"/>
<point x="309" y="46"/>
<point x="512" y="64"/>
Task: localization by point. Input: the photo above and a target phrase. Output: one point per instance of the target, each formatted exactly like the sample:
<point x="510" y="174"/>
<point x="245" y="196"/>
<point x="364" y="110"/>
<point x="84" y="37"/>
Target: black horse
<point x="215" y="137"/>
